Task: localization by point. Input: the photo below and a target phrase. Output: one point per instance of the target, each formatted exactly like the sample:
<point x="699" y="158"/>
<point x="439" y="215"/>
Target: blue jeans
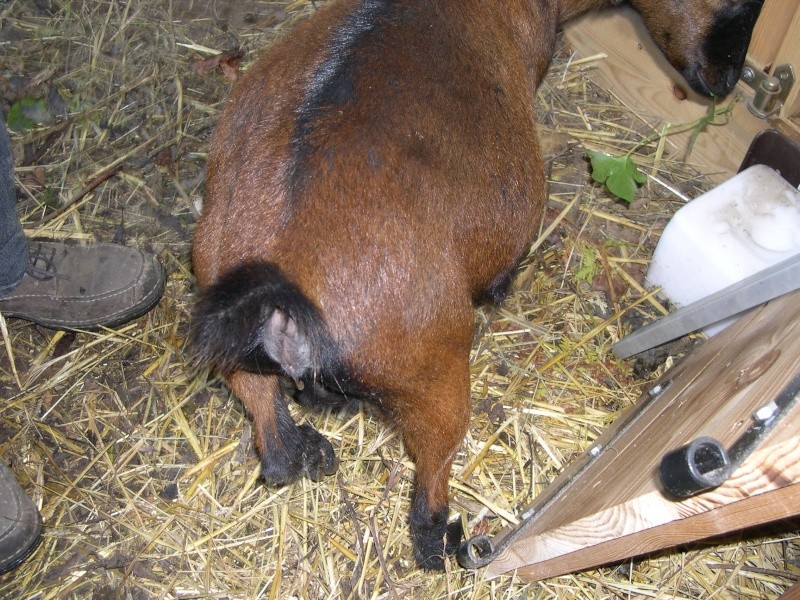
<point x="13" y="245"/>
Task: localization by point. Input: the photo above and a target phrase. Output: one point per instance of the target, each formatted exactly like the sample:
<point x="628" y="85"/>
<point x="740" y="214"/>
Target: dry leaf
<point x="227" y="61"/>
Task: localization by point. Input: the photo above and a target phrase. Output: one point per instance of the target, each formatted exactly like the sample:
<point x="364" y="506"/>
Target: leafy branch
<point x="622" y="176"/>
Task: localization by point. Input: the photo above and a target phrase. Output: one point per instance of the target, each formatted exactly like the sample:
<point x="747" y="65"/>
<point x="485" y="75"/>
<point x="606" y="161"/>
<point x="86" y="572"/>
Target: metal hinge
<point x="771" y="89"/>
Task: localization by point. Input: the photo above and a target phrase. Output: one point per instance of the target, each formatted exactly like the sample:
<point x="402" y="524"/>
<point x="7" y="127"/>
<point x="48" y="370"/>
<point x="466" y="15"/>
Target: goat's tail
<point x="255" y="319"/>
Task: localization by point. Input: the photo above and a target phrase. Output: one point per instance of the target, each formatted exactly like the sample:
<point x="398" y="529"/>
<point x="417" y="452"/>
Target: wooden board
<point x="638" y="74"/>
<point x="773" y="27"/>
<point x="793" y="593"/>
<point x="609" y="507"/>
<point x="789" y="53"/>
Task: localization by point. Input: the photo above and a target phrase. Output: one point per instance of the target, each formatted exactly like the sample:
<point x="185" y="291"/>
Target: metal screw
<point x="748" y="75"/>
<point x="595" y="450"/>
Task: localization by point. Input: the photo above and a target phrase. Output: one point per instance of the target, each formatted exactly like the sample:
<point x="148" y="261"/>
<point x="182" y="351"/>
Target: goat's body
<point x="398" y="145"/>
<point x="375" y="174"/>
<point x="379" y="151"/>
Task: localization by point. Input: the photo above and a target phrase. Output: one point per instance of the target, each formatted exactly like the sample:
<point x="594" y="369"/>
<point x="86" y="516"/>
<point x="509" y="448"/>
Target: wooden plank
<point x="776" y="505"/>
<point x="770" y="30"/>
<point x="789" y="53"/>
<point x="793" y="593"/>
<point x="610" y="507"/>
<point x="639" y="75"/>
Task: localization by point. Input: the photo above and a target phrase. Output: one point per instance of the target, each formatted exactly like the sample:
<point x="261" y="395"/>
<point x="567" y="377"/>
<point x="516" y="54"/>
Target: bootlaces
<point x="42" y="265"/>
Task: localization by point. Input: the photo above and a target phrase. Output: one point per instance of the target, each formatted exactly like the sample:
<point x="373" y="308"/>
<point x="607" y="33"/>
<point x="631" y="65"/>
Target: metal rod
<point x="764" y="286"/>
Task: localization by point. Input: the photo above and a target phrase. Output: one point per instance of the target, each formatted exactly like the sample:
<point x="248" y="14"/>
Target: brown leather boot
<point x="20" y="523"/>
<point x="69" y="286"/>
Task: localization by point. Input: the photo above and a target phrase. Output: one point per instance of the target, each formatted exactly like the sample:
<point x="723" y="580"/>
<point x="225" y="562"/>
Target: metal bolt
<point x="766" y="412"/>
<point x="595" y="450"/>
<point x="748" y="75"/>
<point x="771" y="85"/>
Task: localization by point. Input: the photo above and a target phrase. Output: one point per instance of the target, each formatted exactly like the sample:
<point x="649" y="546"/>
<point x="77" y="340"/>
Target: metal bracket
<point x="705" y="464"/>
<point x="771" y="90"/>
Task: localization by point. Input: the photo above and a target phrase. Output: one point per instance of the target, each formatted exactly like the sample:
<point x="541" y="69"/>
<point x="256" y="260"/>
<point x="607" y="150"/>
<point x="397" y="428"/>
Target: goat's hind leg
<point x="287" y="452"/>
<point x="433" y="420"/>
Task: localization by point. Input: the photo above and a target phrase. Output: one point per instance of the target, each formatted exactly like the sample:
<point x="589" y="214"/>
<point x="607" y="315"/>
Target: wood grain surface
<point x="772" y="27"/>
<point x="611" y="506"/>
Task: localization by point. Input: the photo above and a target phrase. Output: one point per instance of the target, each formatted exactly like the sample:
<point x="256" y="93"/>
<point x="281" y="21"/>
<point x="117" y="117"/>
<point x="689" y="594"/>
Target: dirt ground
<point x="143" y="467"/>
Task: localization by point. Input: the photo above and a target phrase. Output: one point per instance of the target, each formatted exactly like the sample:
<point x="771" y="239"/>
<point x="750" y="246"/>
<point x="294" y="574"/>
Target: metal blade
<point x="765" y="285"/>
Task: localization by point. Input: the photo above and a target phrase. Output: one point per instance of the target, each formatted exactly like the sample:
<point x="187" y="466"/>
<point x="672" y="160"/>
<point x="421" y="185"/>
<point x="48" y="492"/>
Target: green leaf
<point x="23" y="113"/>
<point x="619" y="173"/>
<point x="602" y="165"/>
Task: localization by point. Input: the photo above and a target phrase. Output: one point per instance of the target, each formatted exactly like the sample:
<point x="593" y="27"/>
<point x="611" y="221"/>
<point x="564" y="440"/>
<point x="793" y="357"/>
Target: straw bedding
<point x="143" y="468"/>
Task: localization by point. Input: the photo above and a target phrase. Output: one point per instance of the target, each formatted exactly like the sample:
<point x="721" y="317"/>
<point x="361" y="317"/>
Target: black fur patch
<point x="455" y="533"/>
<point x="297" y="452"/>
<point x="497" y="290"/>
<point x="331" y="83"/>
<point x="727" y="42"/>
<point x="236" y="319"/>
<point x="316" y="396"/>
<point x="428" y="532"/>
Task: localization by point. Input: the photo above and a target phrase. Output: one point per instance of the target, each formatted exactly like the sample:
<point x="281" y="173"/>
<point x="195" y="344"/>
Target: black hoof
<point x="319" y="459"/>
<point x="455" y="533"/>
<point x="428" y="532"/>
<point x="277" y="472"/>
<point x="306" y="453"/>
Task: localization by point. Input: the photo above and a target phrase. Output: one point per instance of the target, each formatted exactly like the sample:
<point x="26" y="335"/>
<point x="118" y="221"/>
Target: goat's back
<point x="384" y="155"/>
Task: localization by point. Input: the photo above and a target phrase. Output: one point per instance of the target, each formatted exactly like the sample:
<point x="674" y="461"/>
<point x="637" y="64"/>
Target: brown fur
<point x="408" y="193"/>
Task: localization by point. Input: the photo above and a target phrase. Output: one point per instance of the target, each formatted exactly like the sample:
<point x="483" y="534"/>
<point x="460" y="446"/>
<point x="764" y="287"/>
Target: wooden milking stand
<point x="610" y="504"/>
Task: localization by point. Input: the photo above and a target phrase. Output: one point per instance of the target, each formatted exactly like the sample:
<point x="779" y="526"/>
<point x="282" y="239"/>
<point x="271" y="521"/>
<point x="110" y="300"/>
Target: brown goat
<point x="374" y="175"/>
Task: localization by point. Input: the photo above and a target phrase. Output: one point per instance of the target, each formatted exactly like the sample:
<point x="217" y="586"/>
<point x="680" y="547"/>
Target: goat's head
<point x="705" y="40"/>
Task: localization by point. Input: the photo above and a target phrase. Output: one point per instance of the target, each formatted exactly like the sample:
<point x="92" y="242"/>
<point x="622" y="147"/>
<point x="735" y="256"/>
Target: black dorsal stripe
<point x="331" y="83"/>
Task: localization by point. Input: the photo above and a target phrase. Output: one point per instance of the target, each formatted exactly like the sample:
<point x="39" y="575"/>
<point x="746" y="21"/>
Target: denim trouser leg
<point x="13" y="245"/>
